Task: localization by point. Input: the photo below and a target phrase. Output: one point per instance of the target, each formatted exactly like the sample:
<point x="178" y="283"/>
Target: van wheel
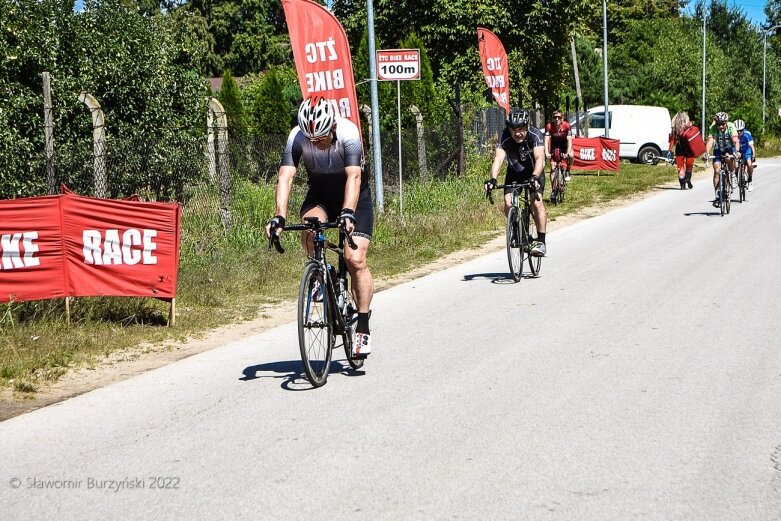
<point x="648" y="155"/>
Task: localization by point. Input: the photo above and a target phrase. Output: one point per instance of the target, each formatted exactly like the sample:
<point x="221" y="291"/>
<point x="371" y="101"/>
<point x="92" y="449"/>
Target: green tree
<point x="269" y="109"/>
<point x="230" y="98"/>
<point x="448" y="28"/>
<point x="141" y="69"/>
<point x="422" y="92"/>
<point x="249" y="35"/>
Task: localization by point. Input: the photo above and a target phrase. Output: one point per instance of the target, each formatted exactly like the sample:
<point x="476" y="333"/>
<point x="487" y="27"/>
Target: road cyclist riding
<point x="338" y="196"/>
<point x="558" y="150"/>
<point x="724" y="142"/>
<point x="748" y="156"/>
<point x="522" y="146"/>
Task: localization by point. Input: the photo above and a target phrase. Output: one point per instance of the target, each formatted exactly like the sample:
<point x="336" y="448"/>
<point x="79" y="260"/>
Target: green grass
<point x="227" y="277"/>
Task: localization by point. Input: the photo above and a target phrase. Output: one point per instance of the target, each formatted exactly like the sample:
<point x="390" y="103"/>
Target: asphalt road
<point x="639" y="377"/>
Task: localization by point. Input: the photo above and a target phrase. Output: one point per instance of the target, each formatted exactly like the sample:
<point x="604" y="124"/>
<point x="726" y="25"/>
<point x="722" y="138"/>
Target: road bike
<point x="725" y="188"/>
<point x="742" y="178"/>
<point x="326" y="310"/>
<point x="521" y="230"/>
<point x="558" y="181"/>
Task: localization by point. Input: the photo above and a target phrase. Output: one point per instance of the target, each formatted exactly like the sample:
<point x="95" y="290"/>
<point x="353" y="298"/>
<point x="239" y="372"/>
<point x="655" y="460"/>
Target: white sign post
<point x="398" y="65"/>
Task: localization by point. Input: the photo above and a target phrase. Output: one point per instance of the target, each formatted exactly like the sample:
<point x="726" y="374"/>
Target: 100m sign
<point x="398" y="64"/>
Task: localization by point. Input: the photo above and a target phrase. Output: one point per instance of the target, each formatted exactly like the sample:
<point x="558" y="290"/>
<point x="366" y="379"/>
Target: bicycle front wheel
<point x="514" y="254"/>
<point x="560" y="183"/>
<point x="315" y="325"/>
<point x="530" y="235"/>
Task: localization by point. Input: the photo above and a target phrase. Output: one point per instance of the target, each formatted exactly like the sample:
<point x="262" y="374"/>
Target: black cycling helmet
<point x="721" y="117"/>
<point x="517" y="118"/>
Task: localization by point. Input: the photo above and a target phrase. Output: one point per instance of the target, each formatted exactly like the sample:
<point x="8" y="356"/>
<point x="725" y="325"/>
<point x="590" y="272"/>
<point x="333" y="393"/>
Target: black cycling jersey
<point x="520" y="156"/>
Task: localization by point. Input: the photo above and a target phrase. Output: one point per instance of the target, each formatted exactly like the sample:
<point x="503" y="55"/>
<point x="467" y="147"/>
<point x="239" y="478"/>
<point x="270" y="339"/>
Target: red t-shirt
<point x="558" y="136"/>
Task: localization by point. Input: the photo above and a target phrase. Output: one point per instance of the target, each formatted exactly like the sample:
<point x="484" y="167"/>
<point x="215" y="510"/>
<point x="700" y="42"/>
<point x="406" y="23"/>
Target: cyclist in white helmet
<point x="331" y="149"/>
<point x="747" y="149"/>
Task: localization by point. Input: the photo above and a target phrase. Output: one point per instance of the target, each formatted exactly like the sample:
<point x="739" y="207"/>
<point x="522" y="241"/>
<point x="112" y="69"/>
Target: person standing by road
<point x="684" y="161"/>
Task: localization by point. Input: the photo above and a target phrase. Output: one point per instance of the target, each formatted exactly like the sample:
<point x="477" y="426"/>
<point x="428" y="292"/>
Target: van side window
<point x="598" y="120"/>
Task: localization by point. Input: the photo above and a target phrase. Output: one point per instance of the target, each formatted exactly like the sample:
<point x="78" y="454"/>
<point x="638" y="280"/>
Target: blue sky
<point x="754" y="9"/>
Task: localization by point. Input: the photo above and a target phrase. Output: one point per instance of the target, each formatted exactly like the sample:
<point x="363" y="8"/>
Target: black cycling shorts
<point x="514" y="176"/>
<point x="364" y="212"/>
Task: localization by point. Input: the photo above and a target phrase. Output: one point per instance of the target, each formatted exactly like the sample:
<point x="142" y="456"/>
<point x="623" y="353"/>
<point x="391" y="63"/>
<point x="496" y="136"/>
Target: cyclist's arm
<point x="284" y="185"/>
<point x="539" y="161"/>
<point x="499" y="158"/>
<point x="547" y="145"/>
<point x="352" y="188"/>
<point x="709" y="145"/>
<point x="753" y="149"/>
<point x="569" y="145"/>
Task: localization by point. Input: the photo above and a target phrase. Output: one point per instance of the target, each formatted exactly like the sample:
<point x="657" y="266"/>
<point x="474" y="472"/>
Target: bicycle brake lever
<point x="277" y="244"/>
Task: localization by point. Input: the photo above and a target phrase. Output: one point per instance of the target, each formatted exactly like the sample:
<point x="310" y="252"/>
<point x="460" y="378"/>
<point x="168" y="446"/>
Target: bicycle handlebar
<point x="529" y="184"/>
<point x="311" y="223"/>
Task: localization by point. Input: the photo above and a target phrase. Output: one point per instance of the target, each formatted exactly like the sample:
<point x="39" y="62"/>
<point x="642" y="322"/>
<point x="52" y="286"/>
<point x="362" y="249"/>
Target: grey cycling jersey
<point x="325" y="168"/>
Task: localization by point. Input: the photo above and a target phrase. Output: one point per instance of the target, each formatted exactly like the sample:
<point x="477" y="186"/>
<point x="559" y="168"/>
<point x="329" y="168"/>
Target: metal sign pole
<point x="398" y="115"/>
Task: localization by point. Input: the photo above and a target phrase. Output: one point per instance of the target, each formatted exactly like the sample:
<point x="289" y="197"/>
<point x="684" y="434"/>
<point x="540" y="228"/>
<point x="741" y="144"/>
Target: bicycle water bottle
<point x="340" y="301"/>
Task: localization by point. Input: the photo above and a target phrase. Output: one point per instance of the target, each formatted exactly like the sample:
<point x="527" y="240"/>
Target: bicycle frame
<point x="339" y="314"/>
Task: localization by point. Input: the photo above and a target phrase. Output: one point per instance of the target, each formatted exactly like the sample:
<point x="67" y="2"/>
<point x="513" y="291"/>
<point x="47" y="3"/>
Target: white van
<point x="643" y="130"/>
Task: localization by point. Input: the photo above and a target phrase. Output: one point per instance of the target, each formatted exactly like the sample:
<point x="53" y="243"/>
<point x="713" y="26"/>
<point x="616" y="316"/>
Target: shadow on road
<point x="495" y="278"/>
<point x="292" y="371"/>
<point x="668" y="188"/>
<point x="716" y="213"/>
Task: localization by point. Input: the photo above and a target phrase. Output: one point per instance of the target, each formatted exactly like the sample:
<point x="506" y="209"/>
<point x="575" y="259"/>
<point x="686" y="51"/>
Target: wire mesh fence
<point x="223" y="186"/>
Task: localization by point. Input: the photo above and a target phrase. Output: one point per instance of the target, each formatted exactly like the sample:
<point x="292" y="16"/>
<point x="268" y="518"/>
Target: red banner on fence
<point x="322" y="55"/>
<point x="596" y="153"/>
<point x="495" y="67"/>
<point x="68" y="245"/>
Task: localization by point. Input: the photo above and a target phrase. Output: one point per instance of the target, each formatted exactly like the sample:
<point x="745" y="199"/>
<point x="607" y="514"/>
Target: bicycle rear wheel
<point x="530" y="235"/>
<point x="514" y="254"/>
<point x="743" y="182"/>
<point x="315" y="325"/>
<point x="350" y="321"/>
<point x="722" y="192"/>
<point x="728" y="198"/>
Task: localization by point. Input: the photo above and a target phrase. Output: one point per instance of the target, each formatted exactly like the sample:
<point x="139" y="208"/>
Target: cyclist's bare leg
<point x="508" y="202"/>
<point x="307" y="237"/>
<point x="361" y="277"/>
<point x="716" y="167"/>
<point x="539" y="214"/>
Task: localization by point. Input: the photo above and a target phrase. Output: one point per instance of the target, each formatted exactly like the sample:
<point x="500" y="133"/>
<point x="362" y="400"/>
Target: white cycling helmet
<point x="316" y="117"/>
<point x="739" y="124"/>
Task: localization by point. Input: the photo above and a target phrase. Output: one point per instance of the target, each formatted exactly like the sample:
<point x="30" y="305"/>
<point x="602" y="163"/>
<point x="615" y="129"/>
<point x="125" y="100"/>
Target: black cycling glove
<point x="277" y="222"/>
<point x="490" y="184"/>
<point x="348" y="214"/>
